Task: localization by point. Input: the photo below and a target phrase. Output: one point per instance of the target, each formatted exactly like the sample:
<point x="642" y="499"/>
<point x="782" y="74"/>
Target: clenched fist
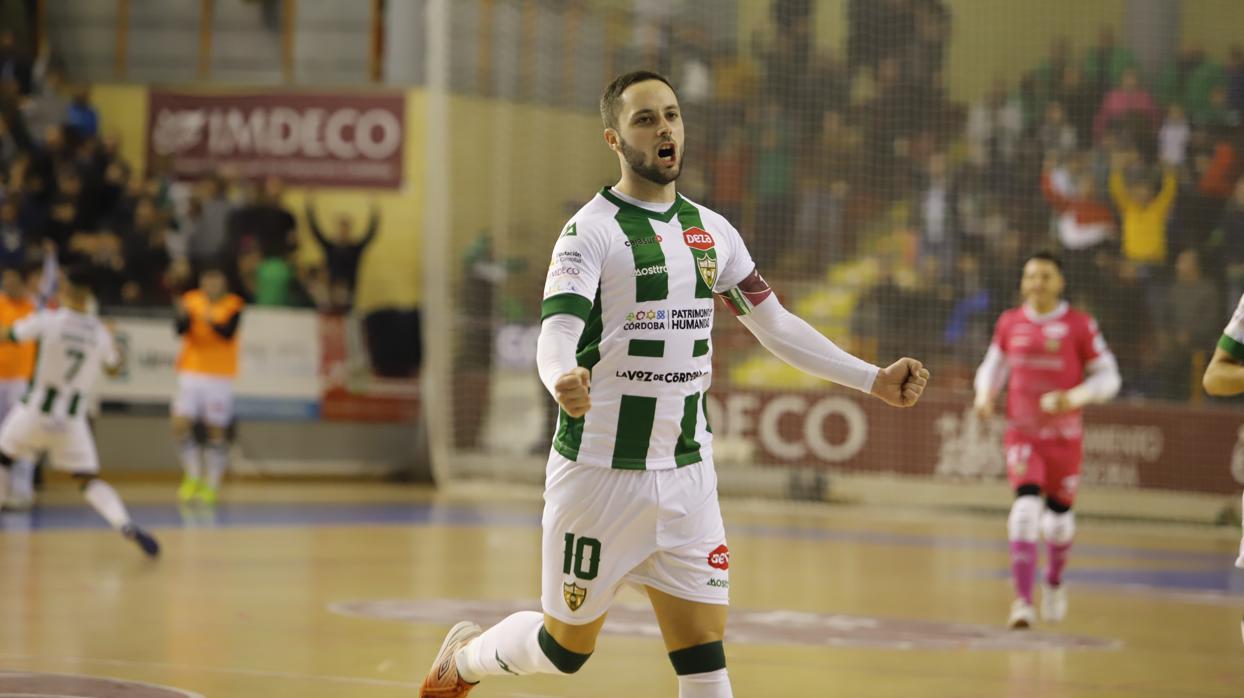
<point x="573" y="392"/>
<point x="901" y="383"/>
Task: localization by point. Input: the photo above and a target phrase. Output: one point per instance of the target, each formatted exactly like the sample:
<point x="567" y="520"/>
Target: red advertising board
<point x="338" y="139"/>
<point x="1153" y="445"/>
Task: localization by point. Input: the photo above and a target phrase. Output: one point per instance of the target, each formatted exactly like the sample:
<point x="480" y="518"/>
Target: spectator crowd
<point x="1133" y="179"/>
<point x="66" y="189"/>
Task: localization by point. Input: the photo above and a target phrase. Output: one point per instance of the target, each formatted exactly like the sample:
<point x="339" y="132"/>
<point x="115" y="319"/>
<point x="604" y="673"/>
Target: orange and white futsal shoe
<point x="443" y="680"/>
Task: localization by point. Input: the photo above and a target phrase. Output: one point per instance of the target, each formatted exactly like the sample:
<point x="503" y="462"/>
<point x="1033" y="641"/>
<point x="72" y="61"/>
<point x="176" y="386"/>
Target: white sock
<point x="191" y="458"/>
<point x="107" y="502"/>
<point x="217" y="457"/>
<point x="22" y="479"/>
<point x="714" y="684"/>
<point x="509" y="647"/>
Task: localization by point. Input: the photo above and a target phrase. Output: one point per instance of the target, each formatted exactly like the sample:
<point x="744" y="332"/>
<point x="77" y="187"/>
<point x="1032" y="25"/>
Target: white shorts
<point x="11" y="392"/>
<point x="202" y="398"/>
<point x="68" y="441"/>
<point x="604" y="527"/>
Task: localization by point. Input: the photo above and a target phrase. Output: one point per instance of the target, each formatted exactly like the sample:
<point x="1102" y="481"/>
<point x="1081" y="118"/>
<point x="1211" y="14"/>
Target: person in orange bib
<point x="17" y="362"/>
<point x="207" y="320"/>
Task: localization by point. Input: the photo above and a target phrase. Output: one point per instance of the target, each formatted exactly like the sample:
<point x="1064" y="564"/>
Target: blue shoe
<point x="144" y="540"/>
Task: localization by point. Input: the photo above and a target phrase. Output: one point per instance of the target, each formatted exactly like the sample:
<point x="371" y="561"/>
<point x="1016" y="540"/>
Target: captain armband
<point x="749" y="293"/>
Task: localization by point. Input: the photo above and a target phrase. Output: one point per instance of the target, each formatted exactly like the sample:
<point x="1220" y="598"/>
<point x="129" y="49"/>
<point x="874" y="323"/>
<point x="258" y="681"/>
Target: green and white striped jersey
<point x="643" y="280"/>
<point x="73" y="348"/>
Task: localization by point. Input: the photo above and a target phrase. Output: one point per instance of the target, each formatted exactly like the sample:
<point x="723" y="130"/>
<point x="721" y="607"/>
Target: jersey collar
<point x="664" y="216"/>
<point x="1054" y="314"/>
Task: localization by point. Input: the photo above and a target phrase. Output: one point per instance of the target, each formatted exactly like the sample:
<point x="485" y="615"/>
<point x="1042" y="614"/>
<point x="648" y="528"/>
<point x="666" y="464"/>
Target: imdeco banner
<point x="337" y="139"/>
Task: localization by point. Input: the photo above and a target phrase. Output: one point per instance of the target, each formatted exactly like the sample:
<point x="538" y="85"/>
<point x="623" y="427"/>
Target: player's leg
<point x="693" y="633"/>
<point x="598" y="524"/>
<point x="74" y="450"/>
<point x="1026" y="472"/>
<point x="1058" y="521"/>
<point x="217" y="416"/>
<point x="20" y="439"/>
<point x="688" y="580"/>
<point x="1239" y="561"/>
<point x="186" y="410"/>
<point x="21" y="493"/>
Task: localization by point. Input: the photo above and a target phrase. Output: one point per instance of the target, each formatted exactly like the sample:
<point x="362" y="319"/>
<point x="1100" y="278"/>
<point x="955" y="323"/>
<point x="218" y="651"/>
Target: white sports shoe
<point x="18" y="502"/>
<point x="1022" y="615"/>
<point x="1053" y="603"/>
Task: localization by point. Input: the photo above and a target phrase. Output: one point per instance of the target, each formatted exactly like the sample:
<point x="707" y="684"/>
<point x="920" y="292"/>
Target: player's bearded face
<point x="646" y="163"/>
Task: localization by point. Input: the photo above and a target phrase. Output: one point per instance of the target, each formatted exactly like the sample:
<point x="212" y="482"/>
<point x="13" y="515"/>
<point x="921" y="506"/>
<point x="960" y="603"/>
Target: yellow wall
<point x="989" y="37"/>
<point x="1215" y="25"/>
<point x="556" y="157"/>
<point x="1007" y="38"/>
<point x="389" y="274"/>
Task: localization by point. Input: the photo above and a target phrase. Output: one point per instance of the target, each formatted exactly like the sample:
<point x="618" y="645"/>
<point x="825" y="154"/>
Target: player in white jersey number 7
<point x="73" y="346"/>
<point x="625" y="348"/>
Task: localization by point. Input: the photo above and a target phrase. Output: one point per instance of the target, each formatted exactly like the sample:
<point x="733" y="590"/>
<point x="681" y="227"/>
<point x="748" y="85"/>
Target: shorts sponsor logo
<point x="719" y="559"/>
<point x="563" y="271"/>
<point x="654" y="240"/>
<point x="574" y="595"/>
<point x="569" y="255"/>
<point x="666" y="377"/>
<point x="651" y="271"/>
<point x="719" y="583"/>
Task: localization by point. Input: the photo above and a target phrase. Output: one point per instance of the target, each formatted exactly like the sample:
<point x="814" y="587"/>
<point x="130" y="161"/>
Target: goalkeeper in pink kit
<point x="1058" y="362"/>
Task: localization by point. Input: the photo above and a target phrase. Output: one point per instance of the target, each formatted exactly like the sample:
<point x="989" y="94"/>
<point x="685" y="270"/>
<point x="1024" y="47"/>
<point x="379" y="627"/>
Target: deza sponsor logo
<point x="720" y="558"/>
<point x="698" y="238"/>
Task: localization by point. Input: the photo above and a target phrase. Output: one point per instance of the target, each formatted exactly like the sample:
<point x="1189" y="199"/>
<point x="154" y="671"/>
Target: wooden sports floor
<point x="347" y="589"/>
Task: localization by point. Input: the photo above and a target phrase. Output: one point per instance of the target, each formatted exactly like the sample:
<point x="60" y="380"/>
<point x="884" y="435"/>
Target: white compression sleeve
<point x="800" y="345"/>
<point x="1101" y="384"/>
<point x="555" y="348"/>
<point x="991" y="374"/>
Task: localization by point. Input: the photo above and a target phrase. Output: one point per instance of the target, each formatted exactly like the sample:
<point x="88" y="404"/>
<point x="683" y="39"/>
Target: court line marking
<point x="186" y="693"/>
<point x="261" y="673"/>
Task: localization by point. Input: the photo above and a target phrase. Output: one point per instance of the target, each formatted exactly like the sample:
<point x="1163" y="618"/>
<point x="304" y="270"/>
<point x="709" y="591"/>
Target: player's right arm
<point x="1224" y="376"/>
<point x="569" y="292"/>
<point x="991" y="374"/>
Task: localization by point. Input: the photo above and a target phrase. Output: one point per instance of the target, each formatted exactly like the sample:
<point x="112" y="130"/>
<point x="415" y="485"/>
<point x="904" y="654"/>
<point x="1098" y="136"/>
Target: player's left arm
<point x="113" y="358"/>
<point x="1224" y="376"/>
<point x="794" y="341"/>
<point x="1101" y="377"/>
<point x="229" y="327"/>
<point x="24" y="330"/>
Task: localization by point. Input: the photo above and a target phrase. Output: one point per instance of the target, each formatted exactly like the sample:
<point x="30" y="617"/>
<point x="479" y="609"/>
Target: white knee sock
<point x="217" y="457"/>
<point x="22" y="480"/>
<point x="107" y="502"/>
<point x="714" y="684"/>
<point x="191" y="458"/>
<point x="509" y="647"/>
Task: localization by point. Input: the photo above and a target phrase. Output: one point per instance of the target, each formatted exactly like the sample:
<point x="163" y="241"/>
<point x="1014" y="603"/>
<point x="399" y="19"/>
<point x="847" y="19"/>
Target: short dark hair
<point x="1046" y="256"/>
<point x="80" y="274"/>
<point x="611" y="99"/>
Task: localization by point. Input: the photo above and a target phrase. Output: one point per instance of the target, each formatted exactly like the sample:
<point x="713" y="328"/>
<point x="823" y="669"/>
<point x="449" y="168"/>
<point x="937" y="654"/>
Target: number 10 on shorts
<point x="581" y="556"/>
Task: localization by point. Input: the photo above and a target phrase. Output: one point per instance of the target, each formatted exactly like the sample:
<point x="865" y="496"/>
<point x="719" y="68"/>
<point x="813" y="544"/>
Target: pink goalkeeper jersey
<point x="1046" y="353"/>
